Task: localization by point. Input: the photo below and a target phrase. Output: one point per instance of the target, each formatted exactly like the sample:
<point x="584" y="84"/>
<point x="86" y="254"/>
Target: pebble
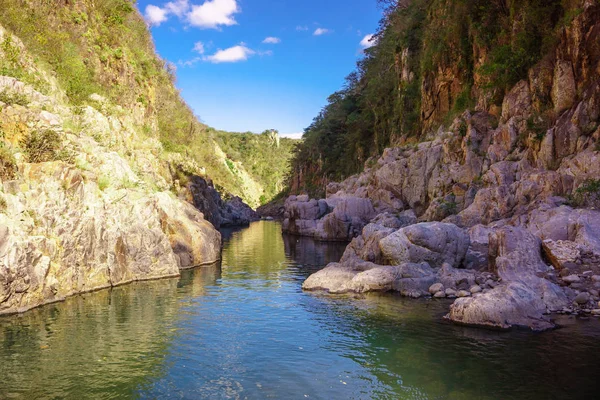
<point x="451" y="293"/>
<point x="475" y="289"/>
<point x="594" y="293"/>
<point x="439" y="295"/>
<point x="491" y="283"/>
<point x="436" y="287"/>
<point x="582" y="298"/>
<point x="571" y="279"/>
<point x="463" y="293"/>
<point x="596" y="278"/>
<point x="587" y="273"/>
<point x="596" y="312"/>
<point x="564" y="272"/>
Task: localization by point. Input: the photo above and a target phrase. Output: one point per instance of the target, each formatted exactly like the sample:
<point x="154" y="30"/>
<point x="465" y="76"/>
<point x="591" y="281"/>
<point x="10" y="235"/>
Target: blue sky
<point x="251" y="65"/>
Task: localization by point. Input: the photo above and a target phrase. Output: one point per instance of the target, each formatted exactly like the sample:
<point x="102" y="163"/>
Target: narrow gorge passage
<point x="245" y="329"/>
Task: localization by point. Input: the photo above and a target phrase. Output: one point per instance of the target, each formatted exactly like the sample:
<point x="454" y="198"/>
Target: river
<point x="245" y="330"/>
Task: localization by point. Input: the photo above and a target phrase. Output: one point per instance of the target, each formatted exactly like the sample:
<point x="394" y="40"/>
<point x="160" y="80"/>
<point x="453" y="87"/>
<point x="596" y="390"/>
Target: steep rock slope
<point x="504" y="199"/>
<point x="85" y="201"/>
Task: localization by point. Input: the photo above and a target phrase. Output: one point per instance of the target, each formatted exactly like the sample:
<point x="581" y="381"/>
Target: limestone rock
<point x="436" y="287"/>
<point x="571" y="279"/>
<point x="561" y="252"/>
<point x="435" y="242"/>
<point x="564" y="89"/>
<point x="582" y="298"/>
<point x="513" y="304"/>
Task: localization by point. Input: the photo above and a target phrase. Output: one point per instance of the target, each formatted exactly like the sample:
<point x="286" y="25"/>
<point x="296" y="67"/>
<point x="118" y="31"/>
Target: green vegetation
<point x="13" y="98"/>
<point x="42" y="146"/>
<point x="104" y="47"/>
<point x="388" y="99"/>
<point x="266" y="157"/>
<point x="587" y="194"/>
<point x="8" y="166"/>
<point x="103" y="182"/>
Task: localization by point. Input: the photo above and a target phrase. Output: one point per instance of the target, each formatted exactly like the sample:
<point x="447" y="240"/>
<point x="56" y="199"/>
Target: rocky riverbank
<point x="499" y="209"/>
<point x="88" y="200"/>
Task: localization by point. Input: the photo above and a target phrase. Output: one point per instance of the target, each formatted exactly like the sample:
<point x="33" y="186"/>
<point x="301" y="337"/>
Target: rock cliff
<point x="499" y="207"/>
<point x="87" y="199"/>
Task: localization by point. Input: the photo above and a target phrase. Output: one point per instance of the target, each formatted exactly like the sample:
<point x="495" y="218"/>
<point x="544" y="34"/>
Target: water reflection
<point x="246" y="330"/>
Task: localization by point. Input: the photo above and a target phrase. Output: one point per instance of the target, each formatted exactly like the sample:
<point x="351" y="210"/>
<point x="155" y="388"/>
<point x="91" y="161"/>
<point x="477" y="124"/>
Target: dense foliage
<point x="486" y="46"/>
<point x="266" y="157"/>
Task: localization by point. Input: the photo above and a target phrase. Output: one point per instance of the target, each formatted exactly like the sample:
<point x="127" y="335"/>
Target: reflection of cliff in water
<point x="101" y="344"/>
<point x="311" y="253"/>
<point x="262" y="249"/>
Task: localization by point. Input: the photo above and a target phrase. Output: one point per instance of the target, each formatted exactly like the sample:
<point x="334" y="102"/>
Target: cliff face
<point x="85" y="201"/>
<point x="436" y="59"/>
<point x="508" y="188"/>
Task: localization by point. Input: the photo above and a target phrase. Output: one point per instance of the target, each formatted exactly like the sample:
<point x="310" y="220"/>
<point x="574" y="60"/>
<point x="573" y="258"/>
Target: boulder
<point x="523" y="298"/>
<point x="561" y="252"/>
<point x="435" y="288"/>
<point x="515" y="254"/>
<point x="434" y="242"/>
<point x="508" y="305"/>
<point x="409" y="279"/>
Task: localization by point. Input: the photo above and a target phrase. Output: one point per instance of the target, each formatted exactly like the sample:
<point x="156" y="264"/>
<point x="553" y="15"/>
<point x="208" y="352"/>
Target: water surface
<point x="245" y="330"/>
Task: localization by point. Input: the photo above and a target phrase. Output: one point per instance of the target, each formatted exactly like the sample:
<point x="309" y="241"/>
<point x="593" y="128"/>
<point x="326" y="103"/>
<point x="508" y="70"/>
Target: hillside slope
<point x="104" y="47"/>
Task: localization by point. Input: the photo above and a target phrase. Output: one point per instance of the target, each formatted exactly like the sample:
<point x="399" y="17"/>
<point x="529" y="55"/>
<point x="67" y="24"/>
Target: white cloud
<point x="213" y="13"/>
<point x="368" y="41"/>
<point x="292" y="135"/>
<point x="231" y="55"/>
<point x="210" y="14"/>
<point x="178" y="8"/>
<point x="321" y="31"/>
<point x="301" y="28"/>
<point x="155" y="15"/>
<point x="272" y="40"/>
<point x="199" y="47"/>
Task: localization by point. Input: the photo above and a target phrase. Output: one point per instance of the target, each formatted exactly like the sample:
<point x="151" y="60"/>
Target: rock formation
<point x="87" y="201"/>
<point x="504" y="214"/>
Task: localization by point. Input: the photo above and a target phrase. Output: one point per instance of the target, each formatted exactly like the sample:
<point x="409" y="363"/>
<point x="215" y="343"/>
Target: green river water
<point x="245" y="330"/>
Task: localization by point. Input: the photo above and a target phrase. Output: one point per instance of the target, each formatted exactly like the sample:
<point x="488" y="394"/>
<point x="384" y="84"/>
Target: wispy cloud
<point x="301" y="28"/>
<point x="189" y="63"/>
<point x="211" y="14"/>
<point x="368" y="41"/>
<point x="272" y="40"/>
<point x="178" y="8"/>
<point x="321" y="31"/>
<point x="199" y="47"/>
